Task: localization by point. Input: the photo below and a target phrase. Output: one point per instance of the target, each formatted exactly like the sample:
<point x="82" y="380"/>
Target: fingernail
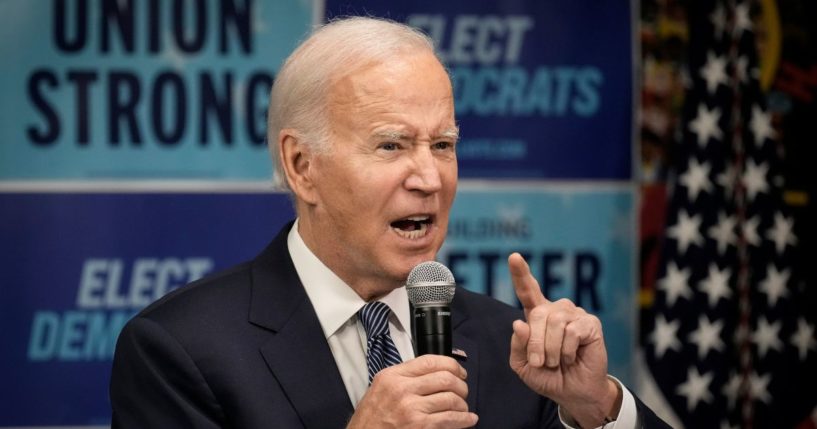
<point x="534" y="359"/>
<point x="553" y="363"/>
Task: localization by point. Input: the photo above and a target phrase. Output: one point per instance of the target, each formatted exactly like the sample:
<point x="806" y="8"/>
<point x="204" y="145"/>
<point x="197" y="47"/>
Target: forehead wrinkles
<point x="393" y="88"/>
<point x="351" y="95"/>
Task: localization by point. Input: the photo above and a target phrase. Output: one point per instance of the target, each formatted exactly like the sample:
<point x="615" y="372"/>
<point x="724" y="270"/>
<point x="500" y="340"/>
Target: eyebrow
<point x="452" y="133"/>
<point x="394" y="135"/>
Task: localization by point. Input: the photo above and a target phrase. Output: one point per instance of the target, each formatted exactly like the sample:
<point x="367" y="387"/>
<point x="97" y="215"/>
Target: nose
<point x="424" y="174"/>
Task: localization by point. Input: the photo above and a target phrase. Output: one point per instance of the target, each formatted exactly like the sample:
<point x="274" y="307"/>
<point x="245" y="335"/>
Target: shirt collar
<point x="334" y="301"/>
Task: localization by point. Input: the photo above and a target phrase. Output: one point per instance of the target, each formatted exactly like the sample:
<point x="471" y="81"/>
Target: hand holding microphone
<point x="430" y="390"/>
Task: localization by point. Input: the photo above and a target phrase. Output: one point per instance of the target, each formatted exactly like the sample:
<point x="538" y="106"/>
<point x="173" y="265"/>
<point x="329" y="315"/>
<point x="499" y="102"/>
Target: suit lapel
<point x="297" y="353"/>
<point x="463" y="340"/>
<point x="471" y="364"/>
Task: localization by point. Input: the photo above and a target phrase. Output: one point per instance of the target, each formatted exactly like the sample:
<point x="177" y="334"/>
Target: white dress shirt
<point x="336" y="305"/>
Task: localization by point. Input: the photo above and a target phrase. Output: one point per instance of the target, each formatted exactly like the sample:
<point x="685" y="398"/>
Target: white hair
<point x="298" y="99"/>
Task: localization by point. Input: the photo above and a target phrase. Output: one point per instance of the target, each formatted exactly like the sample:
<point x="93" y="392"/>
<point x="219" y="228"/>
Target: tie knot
<point x="375" y="319"/>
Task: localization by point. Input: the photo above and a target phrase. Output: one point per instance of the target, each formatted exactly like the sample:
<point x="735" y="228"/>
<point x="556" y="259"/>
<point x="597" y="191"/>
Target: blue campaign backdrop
<point x="578" y="241"/>
<point x="92" y="90"/>
<point x="79" y="265"/>
<point x="76" y="266"/>
<point x="543" y="89"/>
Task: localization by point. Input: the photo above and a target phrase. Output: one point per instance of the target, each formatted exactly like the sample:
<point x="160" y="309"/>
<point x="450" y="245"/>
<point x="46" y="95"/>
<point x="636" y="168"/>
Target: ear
<point x="296" y="161"/>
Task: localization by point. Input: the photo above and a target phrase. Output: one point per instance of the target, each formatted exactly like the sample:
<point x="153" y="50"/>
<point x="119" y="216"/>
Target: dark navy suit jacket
<point x="244" y="349"/>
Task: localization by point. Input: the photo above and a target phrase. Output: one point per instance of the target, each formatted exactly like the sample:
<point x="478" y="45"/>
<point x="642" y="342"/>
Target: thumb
<point x="519" y="345"/>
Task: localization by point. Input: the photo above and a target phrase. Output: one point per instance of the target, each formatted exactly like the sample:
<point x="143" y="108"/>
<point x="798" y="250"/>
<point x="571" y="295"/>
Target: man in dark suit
<point x="362" y="133"/>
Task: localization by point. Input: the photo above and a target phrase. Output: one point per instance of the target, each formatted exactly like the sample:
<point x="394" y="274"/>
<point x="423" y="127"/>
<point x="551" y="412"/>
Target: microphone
<point x="430" y="287"/>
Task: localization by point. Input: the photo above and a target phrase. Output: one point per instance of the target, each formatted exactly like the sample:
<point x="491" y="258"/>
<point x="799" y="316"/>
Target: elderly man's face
<point x="387" y="185"/>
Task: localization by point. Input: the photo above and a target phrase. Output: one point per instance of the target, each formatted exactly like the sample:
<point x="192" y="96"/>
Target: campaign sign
<point x="77" y="266"/>
<point x="543" y="89"/>
<point x="141" y="89"/>
<point x="578" y="241"/>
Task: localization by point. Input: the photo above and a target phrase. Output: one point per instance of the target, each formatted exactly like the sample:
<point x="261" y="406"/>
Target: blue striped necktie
<point x="381" y="350"/>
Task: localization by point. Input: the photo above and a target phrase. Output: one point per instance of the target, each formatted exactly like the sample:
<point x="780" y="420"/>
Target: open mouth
<point x="412" y="227"/>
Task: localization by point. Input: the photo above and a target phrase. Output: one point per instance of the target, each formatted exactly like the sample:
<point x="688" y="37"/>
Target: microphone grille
<point x="430" y="283"/>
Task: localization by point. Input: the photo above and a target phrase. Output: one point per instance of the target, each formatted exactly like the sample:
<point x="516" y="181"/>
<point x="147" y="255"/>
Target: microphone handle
<point x="432" y="329"/>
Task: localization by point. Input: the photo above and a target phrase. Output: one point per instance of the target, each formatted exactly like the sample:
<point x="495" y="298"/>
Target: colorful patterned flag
<point x="731" y="345"/>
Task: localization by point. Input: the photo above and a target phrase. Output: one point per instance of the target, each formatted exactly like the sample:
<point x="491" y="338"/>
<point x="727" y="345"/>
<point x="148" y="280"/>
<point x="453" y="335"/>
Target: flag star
<point x="759" y="387"/>
<point x="716" y="284"/>
<point x="803" y="339"/>
<point x="705" y="125"/>
<point x="707" y="337"/>
<point x="714" y="72"/>
<point x="761" y="125"/>
<point x="732" y="388"/>
<point x="782" y="232"/>
<point x="695" y="388"/>
<point x="742" y="19"/>
<point x="665" y="336"/>
<point x="723" y="232"/>
<point x="727" y="180"/>
<point x="767" y="336"/>
<point x="774" y="285"/>
<point x="685" y="231"/>
<point x="696" y="178"/>
<point x="750" y="231"/>
<point x="675" y="284"/>
<point x="718" y="19"/>
<point x="754" y="178"/>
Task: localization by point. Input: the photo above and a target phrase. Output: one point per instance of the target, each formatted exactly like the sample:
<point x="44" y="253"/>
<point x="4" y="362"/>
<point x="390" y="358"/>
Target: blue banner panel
<point x="76" y="266"/>
<point x="543" y="89"/>
<point x="578" y="242"/>
<point x="146" y="89"/>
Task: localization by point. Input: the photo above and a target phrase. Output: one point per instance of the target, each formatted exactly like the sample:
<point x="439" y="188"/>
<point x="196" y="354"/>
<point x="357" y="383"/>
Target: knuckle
<point x="572" y="329"/>
<point x="427" y="363"/>
<point x="536" y="341"/>
<point x="539" y="312"/>
<point x="455" y="384"/>
<point x="595" y="321"/>
<point x="452" y="401"/>
<point x="591" y="321"/>
<point x="559" y="318"/>
<point x="451" y="365"/>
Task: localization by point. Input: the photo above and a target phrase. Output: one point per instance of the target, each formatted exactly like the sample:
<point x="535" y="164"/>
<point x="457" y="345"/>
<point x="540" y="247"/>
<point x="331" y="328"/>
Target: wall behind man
<point x="133" y="160"/>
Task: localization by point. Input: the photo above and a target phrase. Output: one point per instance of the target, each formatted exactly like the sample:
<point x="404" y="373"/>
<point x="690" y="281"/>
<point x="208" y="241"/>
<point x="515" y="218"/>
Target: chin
<point x="414" y="261"/>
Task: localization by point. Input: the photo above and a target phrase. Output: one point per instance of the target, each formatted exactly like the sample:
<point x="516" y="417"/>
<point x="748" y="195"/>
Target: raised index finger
<point x="526" y="287"/>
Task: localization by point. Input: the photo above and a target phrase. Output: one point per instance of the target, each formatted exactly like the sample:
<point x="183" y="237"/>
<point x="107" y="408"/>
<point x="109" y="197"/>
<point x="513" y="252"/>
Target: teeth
<point x="417" y="233"/>
<point x="417" y="218"/>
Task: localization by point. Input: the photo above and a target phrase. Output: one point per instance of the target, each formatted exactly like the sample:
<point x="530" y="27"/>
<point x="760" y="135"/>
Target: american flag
<point x="731" y="345"/>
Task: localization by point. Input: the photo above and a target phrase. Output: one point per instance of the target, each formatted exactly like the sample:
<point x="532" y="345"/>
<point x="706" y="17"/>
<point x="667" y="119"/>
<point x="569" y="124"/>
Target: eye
<point x="442" y="145"/>
<point x="389" y="146"/>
